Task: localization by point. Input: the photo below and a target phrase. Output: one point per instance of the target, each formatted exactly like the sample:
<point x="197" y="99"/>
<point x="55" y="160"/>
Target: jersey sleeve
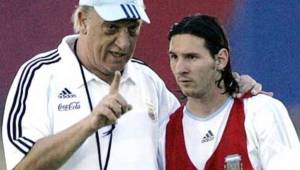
<point x="269" y="126"/>
<point x="168" y="103"/>
<point x="25" y="117"/>
<point x="161" y="159"/>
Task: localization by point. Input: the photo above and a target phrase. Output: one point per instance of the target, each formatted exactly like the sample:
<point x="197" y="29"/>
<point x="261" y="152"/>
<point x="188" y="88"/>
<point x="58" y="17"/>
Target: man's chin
<point x="117" y="67"/>
<point x="189" y="92"/>
<point x="114" y="67"/>
<point x="185" y="92"/>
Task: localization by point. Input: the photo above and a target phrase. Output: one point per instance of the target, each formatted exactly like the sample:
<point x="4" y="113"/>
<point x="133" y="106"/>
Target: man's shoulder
<point x="51" y="57"/>
<point x="41" y="65"/>
<point x="137" y="63"/>
<point x="263" y="107"/>
<point x="42" y="57"/>
<point x="262" y="100"/>
<point x="143" y="68"/>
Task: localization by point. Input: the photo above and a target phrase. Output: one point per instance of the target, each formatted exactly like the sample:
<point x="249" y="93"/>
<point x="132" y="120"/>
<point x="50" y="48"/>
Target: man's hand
<point x="248" y="84"/>
<point x="111" y="107"/>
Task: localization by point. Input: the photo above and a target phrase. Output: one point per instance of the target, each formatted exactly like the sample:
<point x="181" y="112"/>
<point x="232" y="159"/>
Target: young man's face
<point x="110" y="44"/>
<point x="192" y="65"/>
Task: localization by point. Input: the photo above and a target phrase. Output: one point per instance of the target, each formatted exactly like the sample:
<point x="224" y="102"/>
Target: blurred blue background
<point x="265" y="42"/>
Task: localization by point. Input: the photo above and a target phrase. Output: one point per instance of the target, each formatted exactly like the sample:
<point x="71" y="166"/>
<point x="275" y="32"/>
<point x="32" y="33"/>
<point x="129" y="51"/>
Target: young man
<point x="213" y="130"/>
<point x="63" y="106"/>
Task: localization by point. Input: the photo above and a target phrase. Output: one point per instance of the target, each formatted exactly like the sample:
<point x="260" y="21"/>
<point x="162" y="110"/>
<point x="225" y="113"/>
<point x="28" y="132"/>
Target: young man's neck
<point x="207" y="104"/>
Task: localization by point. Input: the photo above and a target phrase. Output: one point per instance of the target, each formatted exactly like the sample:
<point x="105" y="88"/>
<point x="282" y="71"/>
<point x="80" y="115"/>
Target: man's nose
<point x="181" y="66"/>
<point x="123" y="40"/>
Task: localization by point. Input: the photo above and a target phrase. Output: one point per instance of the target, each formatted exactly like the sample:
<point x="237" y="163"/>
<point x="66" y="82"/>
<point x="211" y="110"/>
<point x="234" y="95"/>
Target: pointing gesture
<point x="111" y="107"/>
<point x="114" y="87"/>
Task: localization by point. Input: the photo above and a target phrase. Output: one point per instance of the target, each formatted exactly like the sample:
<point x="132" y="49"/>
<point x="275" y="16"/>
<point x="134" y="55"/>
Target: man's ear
<point x="222" y="59"/>
<point x="82" y="16"/>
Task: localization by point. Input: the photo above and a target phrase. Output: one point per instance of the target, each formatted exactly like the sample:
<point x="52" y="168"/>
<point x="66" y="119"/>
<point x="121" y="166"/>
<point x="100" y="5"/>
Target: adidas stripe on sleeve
<point x="26" y="108"/>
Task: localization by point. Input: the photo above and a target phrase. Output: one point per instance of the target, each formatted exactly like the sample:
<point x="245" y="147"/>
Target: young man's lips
<point x="184" y="81"/>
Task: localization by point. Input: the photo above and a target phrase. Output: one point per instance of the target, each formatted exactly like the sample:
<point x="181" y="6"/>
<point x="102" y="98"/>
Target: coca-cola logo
<point x="67" y="107"/>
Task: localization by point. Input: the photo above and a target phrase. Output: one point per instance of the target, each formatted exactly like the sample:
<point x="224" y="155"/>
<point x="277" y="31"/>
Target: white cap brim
<point x="114" y="12"/>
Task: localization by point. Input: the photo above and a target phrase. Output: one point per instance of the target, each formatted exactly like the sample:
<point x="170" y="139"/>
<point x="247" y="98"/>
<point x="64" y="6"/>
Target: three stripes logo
<point x="209" y="136"/>
<point x="130" y="11"/>
<point x="15" y="131"/>
<point x="65" y="93"/>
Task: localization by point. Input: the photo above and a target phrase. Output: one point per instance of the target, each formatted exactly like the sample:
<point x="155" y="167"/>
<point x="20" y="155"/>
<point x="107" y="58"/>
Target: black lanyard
<point x="91" y="108"/>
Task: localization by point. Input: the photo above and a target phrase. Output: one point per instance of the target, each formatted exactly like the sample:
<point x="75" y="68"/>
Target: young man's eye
<point x="172" y="56"/>
<point x="191" y="57"/>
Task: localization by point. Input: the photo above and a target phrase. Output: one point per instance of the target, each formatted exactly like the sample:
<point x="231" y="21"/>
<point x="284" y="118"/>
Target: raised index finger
<point x="114" y="87"/>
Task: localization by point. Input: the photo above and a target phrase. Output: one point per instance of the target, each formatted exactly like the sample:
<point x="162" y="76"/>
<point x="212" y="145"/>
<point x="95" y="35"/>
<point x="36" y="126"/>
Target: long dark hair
<point x="208" y="28"/>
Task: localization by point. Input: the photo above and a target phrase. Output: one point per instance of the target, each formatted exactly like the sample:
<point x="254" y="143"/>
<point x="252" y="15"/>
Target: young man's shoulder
<point x="263" y="100"/>
<point x="264" y="107"/>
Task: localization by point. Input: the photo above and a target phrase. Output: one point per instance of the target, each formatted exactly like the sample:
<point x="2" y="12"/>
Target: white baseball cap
<point x="113" y="10"/>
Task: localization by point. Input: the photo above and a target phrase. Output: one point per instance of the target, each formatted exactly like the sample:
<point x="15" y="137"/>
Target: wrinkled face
<point x="192" y="65"/>
<point x="110" y="44"/>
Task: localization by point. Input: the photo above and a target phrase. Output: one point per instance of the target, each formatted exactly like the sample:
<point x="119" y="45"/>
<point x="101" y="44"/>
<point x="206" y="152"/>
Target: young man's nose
<point x="180" y="66"/>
